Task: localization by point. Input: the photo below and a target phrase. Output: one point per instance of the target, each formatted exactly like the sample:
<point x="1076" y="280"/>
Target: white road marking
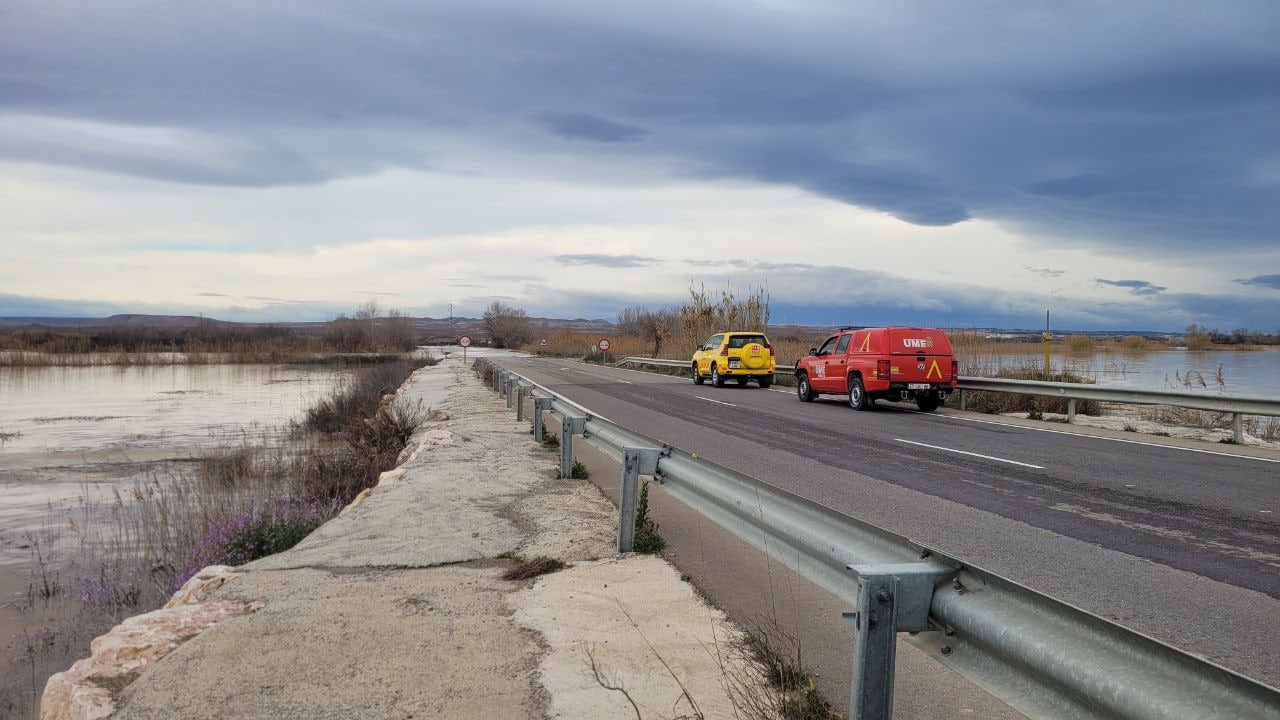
<point x="624" y="382"/>
<point x="1101" y="437"/>
<point x="718" y="402"/>
<point x="966" y="452"/>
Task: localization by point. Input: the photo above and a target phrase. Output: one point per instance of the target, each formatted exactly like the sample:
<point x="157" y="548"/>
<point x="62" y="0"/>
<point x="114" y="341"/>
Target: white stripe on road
<point x="718" y="402"/>
<point x="624" y="382"/>
<point x="966" y="452"/>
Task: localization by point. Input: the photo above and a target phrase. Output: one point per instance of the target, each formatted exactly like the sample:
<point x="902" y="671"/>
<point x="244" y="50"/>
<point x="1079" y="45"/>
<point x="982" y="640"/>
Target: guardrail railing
<point x="1039" y="655"/>
<point x="1236" y="405"/>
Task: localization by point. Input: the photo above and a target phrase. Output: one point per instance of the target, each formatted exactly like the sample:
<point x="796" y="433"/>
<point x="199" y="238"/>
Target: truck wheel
<point x="927" y="403"/>
<point x="742" y="382"/>
<point x="803" y="390"/>
<point x="766" y="381"/>
<point x="697" y="377"/>
<point x="716" y="378"/>
<point x="857" y="395"/>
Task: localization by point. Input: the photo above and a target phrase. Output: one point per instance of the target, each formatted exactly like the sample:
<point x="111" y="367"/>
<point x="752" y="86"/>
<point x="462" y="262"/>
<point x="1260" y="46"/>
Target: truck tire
<point x="803" y="390"/>
<point x="857" y="394"/>
<point x="716" y="378"/>
<point x="697" y="376"/>
<point x="742" y="381"/>
<point x="766" y="381"/>
<point x="927" y="403"/>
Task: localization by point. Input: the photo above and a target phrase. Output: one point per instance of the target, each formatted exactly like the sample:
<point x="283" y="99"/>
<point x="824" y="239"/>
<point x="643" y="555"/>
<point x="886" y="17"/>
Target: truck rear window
<point x="741" y="341"/>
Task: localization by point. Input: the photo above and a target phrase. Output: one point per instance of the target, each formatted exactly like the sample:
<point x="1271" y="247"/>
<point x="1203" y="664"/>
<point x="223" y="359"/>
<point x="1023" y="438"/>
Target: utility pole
<point x="1048" y="344"/>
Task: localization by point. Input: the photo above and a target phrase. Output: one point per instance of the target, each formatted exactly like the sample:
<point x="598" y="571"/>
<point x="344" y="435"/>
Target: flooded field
<point x="71" y="433"/>
<point x="1254" y="373"/>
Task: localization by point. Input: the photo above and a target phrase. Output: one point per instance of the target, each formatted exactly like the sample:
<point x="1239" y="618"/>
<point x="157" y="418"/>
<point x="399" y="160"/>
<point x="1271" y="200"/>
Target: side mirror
<point x="813" y="351"/>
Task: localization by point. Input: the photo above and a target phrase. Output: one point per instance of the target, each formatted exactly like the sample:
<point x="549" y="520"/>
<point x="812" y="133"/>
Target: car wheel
<point x="857" y="394"/>
<point x="716" y="379"/>
<point x="742" y="382"/>
<point x="697" y="376"/>
<point x="803" y="390"/>
<point x="927" y="403"/>
<point x="766" y="381"/>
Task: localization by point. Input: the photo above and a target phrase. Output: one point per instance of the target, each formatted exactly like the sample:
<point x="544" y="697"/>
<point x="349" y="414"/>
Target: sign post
<point x="465" y="342"/>
<point x="604" y="345"/>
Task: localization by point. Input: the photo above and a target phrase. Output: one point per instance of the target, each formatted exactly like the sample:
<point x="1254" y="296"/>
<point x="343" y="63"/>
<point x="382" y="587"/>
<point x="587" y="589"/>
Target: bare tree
<point x="508" y="326"/>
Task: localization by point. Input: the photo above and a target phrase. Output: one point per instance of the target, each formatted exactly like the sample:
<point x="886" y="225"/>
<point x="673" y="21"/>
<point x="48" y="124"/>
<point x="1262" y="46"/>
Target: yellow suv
<point x="738" y="355"/>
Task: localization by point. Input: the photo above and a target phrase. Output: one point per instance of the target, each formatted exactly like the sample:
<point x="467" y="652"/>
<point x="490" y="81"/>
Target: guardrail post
<point x="1071" y="410"/>
<point x="498" y="379"/>
<point x="569" y="426"/>
<point x="635" y="462"/>
<point x="511" y="387"/>
<point x="540" y="405"/>
<point x="519" y="403"/>
<point x="1237" y="430"/>
<point x="962" y="398"/>
<point x="891" y="599"/>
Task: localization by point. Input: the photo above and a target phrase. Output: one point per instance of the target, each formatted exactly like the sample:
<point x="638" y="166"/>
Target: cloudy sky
<point x="871" y="162"/>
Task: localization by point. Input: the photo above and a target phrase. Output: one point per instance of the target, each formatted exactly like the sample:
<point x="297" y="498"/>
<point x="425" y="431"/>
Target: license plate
<point x="735" y="363"/>
<point x="918" y="386"/>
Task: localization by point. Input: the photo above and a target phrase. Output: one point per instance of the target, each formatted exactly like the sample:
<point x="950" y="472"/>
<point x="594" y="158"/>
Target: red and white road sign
<point x="465" y="341"/>
<point x="544" y="341"/>
<point x="603" y="344"/>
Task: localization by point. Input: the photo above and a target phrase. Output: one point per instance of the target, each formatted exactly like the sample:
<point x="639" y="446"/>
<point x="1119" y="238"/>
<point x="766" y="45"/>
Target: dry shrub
<point x="1080" y="344"/>
<point x="579" y="344"/>
<point x="767" y="677"/>
<point x="993" y="402"/>
<point x="533" y="568"/>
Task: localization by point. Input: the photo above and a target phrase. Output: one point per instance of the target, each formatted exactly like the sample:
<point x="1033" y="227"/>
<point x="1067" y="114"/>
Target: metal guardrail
<point x="1041" y="656"/>
<point x="1236" y="405"/>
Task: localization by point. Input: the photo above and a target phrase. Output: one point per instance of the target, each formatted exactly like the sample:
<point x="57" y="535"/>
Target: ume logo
<point x="917" y="342"/>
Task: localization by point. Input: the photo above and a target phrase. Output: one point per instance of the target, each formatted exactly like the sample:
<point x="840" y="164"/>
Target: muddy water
<point x="1251" y="373"/>
<point x="68" y="431"/>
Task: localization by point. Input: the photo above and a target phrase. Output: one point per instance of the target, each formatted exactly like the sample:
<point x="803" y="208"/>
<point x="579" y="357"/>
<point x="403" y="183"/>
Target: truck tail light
<point x="882" y="369"/>
<point x="955" y="369"/>
<point x="724" y="351"/>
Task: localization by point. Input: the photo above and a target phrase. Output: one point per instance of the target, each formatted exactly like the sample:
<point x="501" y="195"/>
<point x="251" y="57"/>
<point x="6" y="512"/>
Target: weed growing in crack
<point x="648" y="540"/>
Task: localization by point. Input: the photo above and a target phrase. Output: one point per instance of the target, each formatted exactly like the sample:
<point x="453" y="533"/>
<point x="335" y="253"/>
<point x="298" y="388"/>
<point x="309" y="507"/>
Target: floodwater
<point x="1254" y="373"/>
<point x="65" y="431"/>
<point x="63" y="426"/>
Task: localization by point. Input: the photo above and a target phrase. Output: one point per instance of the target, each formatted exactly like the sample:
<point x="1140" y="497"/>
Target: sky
<point x="954" y="164"/>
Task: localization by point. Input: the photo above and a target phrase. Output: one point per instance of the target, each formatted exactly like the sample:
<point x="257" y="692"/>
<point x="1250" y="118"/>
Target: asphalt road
<point x="1178" y="540"/>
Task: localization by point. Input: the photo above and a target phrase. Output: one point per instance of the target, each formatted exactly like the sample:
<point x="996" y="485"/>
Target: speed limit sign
<point x="465" y="341"/>
<point x="603" y="344"/>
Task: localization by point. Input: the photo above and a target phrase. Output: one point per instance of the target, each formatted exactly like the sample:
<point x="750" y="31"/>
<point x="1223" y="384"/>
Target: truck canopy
<point x="917" y="341"/>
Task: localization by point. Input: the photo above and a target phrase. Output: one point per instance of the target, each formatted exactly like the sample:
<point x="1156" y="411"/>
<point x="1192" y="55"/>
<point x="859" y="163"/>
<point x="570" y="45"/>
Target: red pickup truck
<point x="891" y="363"/>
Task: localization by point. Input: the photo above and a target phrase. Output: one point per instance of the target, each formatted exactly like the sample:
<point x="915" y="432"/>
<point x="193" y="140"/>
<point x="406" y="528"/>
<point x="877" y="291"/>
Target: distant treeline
<point x="368" y="330"/>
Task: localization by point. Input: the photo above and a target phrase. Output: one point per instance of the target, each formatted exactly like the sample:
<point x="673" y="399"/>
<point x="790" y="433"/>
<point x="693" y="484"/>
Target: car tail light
<point x="724" y="351"/>
<point x="955" y="369"/>
<point x="882" y="369"/>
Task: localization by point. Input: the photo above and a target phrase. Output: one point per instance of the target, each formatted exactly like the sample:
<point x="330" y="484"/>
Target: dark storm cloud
<point x="603" y="260"/>
<point x="1137" y="287"/>
<point x="580" y="126"/>
<point x="854" y="296"/>
<point x="1270" y="281"/>
<point x="1157" y="137"/>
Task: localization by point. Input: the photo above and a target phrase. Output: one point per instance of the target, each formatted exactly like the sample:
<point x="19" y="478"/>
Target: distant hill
<point x="131" y="320"/>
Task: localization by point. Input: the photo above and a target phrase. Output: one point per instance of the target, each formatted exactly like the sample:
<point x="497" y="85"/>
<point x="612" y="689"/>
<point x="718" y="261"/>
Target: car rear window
<point x="741" y="341"/>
